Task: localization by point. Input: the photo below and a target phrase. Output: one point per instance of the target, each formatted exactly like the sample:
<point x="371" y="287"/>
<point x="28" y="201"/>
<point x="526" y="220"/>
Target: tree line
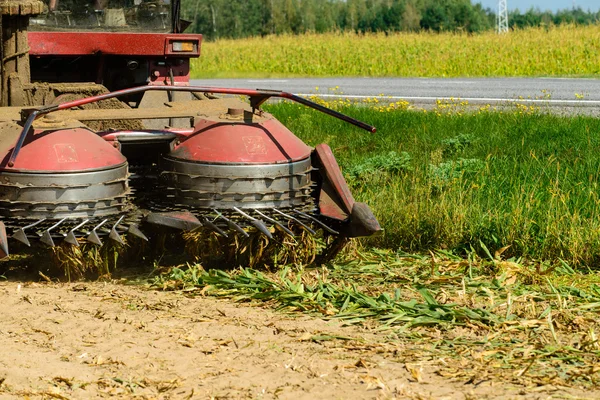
<point x="242" y="18"/>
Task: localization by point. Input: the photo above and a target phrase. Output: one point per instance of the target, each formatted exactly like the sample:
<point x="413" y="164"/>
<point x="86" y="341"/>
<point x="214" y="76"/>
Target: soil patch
<point x="96" y="340"/>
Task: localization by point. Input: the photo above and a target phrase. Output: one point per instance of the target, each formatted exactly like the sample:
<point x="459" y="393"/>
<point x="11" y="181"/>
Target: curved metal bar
<point x="327" y="111"/>
<point x="308" y="228"/>
<point x="149" y="135"/>
<point x="274" y="221"/>
<point x="26" y="127"/>
<point x="232" y="224"/>
<point x="257" y="98"/>
<point x="310" y="217"/>
<point x="211" y="225"/>
<point x="258" y="224"/>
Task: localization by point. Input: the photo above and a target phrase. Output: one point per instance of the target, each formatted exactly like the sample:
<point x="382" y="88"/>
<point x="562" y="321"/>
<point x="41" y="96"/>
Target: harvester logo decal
<point x="255" y="145"/>
<point x="65" y="153"/>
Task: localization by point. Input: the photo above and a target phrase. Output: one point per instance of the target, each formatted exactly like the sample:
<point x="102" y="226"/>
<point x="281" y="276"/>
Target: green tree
<point x="241" y="18"/>
<point x="435" y="18"/>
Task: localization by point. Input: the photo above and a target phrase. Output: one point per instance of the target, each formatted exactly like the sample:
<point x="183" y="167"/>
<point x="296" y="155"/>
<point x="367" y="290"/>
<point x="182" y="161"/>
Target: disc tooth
<point x="262" y="227"/>
<point x="237" y="228"/>
<point x="94" y="238"/>
<point x="114" y="235"/>
<point x="215" y="228"/>
<point x="243" y="214"/>
<point x="135" y="231"/>
<point x="231" y="224"/>
<point x="308" y="228"/>
<point x="274" y="221"/>
<point x="72" y="239"/>
<point x="21" y="236"/>
<point x="47" y="238"/>
<point x="257" y="223"/>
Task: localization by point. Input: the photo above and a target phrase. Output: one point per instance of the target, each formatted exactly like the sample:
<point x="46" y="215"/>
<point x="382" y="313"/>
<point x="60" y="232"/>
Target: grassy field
<point x="445" y="179"/>
<point x="557" y="51"/>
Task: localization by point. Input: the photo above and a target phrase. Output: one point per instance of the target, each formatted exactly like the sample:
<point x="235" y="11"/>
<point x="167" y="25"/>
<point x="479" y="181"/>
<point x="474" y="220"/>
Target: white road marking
<point x="385" y="98"/>
<point x="268" y="81"/>
<point x="558" y="78"/>
<point x="447" y="83"/>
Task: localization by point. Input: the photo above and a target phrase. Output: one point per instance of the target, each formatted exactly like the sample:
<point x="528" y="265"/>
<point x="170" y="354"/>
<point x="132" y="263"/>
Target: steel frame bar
<point x="257" y="98"/>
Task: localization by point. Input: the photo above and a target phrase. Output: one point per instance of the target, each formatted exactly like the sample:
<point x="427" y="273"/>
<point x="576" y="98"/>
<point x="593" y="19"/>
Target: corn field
<point x="557" y="51"/>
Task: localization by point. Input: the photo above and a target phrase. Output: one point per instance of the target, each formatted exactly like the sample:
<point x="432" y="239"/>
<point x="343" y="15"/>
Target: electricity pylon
<point x="502" y="16"/>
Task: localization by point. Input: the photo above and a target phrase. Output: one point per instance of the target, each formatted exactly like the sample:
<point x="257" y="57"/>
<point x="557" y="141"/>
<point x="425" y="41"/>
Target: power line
<point x="502" y="17"/>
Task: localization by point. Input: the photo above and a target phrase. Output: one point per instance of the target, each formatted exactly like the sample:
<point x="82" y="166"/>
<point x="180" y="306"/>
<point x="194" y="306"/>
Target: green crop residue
<point x="507" y="320"/>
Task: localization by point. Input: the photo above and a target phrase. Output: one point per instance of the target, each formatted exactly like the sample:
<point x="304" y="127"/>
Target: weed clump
<point x="391" y="163"/>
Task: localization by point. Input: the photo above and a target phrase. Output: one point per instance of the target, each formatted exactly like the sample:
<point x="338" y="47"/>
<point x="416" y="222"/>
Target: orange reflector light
<point x="183" y="46"/>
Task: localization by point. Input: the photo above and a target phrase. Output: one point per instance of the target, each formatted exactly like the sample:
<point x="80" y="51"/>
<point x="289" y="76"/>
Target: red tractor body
<point x="116" y="60"/>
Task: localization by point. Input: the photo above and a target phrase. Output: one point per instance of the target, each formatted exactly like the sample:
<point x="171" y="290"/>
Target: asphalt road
<point x="552" y="92"/>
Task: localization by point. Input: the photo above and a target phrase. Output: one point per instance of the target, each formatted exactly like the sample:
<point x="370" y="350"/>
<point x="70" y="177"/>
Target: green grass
<point x="446" y="179"/>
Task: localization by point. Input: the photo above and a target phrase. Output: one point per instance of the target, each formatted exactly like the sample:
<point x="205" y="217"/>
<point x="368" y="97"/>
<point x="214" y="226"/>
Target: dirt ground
<point x="99" y="340"/>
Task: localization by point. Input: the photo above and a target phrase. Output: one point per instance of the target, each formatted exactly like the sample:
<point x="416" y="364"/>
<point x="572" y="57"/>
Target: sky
<point x="552" y="5"/>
